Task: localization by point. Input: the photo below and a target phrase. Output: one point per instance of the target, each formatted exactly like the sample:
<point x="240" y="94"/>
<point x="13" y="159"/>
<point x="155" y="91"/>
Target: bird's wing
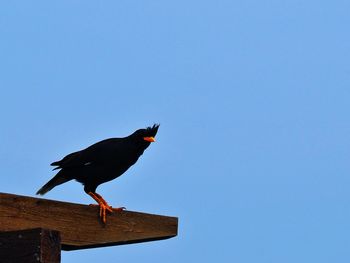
<point x="96" y="153"/>
<point x="71" y="160"/>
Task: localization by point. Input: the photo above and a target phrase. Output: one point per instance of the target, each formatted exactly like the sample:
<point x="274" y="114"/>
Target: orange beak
<point x="149" y="139"/>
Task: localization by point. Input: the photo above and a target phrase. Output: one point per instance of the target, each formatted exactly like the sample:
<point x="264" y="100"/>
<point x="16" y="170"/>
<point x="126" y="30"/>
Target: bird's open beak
<point x="149" y="139"/>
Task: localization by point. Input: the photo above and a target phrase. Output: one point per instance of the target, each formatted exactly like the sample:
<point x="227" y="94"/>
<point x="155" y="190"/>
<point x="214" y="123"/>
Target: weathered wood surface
<point x="30" y="246"/>
<point x="79" y="225"/>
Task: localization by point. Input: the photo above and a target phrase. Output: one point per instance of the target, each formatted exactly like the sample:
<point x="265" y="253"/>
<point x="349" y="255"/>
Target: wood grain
<point x="79" y="225"/>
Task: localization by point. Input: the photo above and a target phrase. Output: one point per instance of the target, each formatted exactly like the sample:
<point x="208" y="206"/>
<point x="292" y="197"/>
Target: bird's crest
<point x="152" y="131"/>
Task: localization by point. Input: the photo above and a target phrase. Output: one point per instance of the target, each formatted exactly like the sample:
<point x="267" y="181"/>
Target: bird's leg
<point x="102" y="204"/>
<point x="105" y="202"/>
<point x="102" y="200"/>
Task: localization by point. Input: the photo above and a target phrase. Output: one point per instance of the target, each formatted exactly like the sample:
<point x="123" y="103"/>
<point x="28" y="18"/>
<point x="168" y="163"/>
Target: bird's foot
<point x="118" y="209"/>
<point x="103" y="209"/>
<point x="104" y="206"/>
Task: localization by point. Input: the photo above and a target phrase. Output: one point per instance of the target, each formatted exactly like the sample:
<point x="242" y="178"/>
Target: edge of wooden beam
<point x="79" y="225"/>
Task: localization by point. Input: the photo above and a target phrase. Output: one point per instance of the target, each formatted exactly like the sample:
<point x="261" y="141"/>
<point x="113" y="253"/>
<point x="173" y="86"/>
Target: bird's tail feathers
<point x="56" y="163"/>
<point x="56" y="180"/>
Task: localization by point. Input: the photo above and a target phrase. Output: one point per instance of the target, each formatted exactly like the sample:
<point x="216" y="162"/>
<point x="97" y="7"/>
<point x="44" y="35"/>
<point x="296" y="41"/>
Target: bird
<point x="100" y="163"/>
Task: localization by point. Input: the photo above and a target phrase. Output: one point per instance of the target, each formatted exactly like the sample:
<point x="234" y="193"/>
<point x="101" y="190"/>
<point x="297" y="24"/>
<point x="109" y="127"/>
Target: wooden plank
<point x="79" y="225"/>
<point x="30" y="246"/>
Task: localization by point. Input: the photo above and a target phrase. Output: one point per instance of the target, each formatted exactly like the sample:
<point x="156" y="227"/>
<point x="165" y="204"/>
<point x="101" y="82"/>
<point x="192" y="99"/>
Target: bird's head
<point x="148" y="134"/>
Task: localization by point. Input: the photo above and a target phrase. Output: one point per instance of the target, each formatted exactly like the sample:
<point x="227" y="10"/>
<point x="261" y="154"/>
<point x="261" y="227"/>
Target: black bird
<point x="100" y="163"/>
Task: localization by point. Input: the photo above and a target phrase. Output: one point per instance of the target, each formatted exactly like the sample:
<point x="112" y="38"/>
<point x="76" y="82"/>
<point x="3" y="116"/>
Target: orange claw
<point x="118" y="209"/>
<point x="103" y="209"/>
<point x="104" y="206"/>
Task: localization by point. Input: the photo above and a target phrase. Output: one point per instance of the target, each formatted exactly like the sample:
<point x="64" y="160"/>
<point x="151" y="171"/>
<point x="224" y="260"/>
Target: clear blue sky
<point x="253" y="100"/>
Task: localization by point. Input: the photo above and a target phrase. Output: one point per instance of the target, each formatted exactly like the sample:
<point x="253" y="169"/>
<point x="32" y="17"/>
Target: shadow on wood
<point x="79" y="225"/>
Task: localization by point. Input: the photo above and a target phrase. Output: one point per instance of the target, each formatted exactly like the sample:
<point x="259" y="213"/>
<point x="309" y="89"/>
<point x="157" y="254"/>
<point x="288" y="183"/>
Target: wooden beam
<point x="30" y="246"/>
<point x="79" y="225"/>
